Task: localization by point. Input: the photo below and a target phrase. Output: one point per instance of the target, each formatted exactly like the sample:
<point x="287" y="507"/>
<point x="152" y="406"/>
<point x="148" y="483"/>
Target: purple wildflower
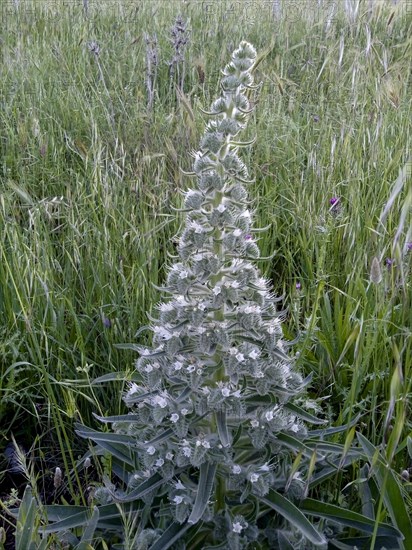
<point x="389" y="262"/>
<point x="409" y="247"/>
<point x="106" y="322"/>
<point x="298" y="286"/>
<point x="333" y="201"/>
<point x="248" y="237"/>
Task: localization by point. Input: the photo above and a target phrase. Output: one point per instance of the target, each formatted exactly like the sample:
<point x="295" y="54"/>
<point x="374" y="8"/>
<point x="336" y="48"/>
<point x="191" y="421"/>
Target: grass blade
<point x="346" y="517"/>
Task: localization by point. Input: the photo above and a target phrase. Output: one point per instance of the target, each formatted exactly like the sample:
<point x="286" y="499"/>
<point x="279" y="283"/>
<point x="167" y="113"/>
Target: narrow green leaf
<point x="289" y="511"/>
<point x="119" y="418"/>
<point x="116" y="444"/>
<point x="304" y="415"/>
<point x="409" y="446"/>
<point x="172" y="534"/>
<point x="26" y="521"/>
<point x="331" y="470"/>
<point x="109" y="437"/>
<point x="129" y="346"/>
<point x="114" y="377"/>
<point x="147" y="486"/>
<point x="334" y="430"/>
<point x="76" y="520"/>
<point x="347" y="445"/>
<point x="346" y="517"/>
<point x="224" y="435"/>
<point x="365" y="494"/>
<point x="204" y="489"/>
<point x="392" y="494"/>
<point x="69" y="517"/>
<point x="88" y="534"/>
<point x="159" y="438"/>
<point x="295" y="444"/>
<point x="335" y="448"/>
<point x="117" y="451"/>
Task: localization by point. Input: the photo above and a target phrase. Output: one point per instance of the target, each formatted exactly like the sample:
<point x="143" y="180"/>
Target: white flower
<point x="236" y="393"/>
<point x="254" y="478"/>
<point x="191" y="368"/>
<point x="217" y="290"/>
<point x="133" y="388"/>
<point x="160" y="401"/>
<point x="184" y="412"/>
<point x="174" y="417"/>
<point x="235" y="284"/>
<point x="183" y="274"/>
<point x="203" y="443"/>
<point x="178" y="499"/>
<point x="159" y="462"/>
<point x="201" y="306"/>
<point x="253" y="354"/>
<point x="240" y="357"/>
<point x="169" y="456"/>
<point x="294" y="428"/>
<point x="233" y="351"/>
<point x="179" y="486"/>
<point x="269" y="416"/>
<point x="166" y="307"/>
<point x="261" y="283"/>
<point x="236" y="469"/>
<point x="237" y="527"/>
<point x="150" y="450"/>
<point x="254" y="423"/>
<point x="187" y="451"/>
<point x="225" y="392"/>
<point x="148" y="368"/>
<point x="177" y="365"/>
<point x="237" y="232"/>
<point x="221" y="208"/>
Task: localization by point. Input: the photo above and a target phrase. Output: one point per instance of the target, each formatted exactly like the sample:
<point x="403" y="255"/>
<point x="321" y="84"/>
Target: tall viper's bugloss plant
<point x="213" y="412"/>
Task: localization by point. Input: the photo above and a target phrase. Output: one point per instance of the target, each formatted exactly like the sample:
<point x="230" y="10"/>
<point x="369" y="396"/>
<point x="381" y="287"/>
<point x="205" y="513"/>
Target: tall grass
<point x="90" y="175"/>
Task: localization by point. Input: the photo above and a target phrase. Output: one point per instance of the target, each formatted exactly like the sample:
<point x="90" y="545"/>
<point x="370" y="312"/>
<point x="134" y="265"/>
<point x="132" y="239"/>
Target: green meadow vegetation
<point x="100" y="110"/>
